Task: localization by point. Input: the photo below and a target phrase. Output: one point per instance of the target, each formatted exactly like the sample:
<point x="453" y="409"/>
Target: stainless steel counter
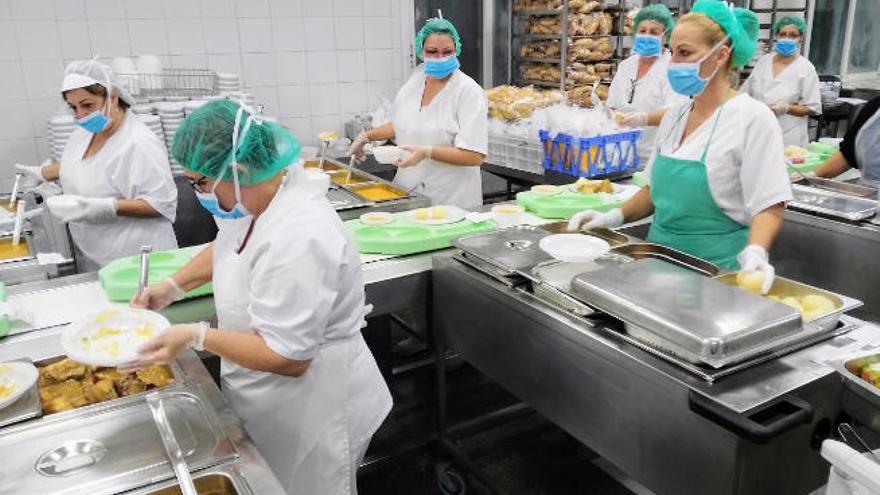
<point x="233" y="457"/>
<point x="754" y="432"/>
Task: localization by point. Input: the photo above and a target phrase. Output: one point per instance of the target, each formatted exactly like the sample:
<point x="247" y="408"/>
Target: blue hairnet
<point x="657" y="13"/>
<point x="436" y="25"/>
<point x="790" y="20"/>
<point x="203" y="144"/>
<point x="740" y="25"/>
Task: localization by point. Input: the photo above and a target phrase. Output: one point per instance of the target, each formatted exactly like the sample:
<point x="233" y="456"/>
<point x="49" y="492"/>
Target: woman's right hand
<point x="357" y="146"/>
<point x="157" y="296"/>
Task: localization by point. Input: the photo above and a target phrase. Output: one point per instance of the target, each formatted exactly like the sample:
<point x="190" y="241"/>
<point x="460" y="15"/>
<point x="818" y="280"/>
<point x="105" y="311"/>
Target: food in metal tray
<point x="868" y="371"/>
<point x="810" y="306"/>
<point x="67" y="384"/>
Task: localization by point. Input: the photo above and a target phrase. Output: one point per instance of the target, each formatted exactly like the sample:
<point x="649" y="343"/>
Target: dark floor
<point x="528" y="455"/>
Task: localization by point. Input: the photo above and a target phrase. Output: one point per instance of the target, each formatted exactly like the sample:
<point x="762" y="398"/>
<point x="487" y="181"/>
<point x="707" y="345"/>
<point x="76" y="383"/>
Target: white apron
<point x="868" y="151"/>
<point x="312" y="430"/>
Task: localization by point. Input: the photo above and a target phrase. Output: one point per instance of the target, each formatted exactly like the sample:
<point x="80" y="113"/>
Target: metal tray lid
<point x="513" y="249"/>
<point x="109" y="449"/>
<point x="704" y="316"/>
<point x="832" y="203"/>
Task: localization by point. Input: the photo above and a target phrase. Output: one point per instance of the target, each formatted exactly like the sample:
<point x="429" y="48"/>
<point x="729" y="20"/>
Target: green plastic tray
<point x="565" y="204"/>
<point x="120" y="277"/>
<point x="404" y="236"/>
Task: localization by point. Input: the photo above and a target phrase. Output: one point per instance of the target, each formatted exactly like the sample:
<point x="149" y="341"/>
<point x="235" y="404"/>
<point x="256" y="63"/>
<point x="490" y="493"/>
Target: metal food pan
<point x="861" y="399"/>
<point x="832" y="204"/>
<point x="837" y="186"/>
<point x="340" y="177"/>
<point x="377" y="191"/>
<point x="783" y="287"/>
<point x="341" y="199"/>
<point x="645" y="250"/>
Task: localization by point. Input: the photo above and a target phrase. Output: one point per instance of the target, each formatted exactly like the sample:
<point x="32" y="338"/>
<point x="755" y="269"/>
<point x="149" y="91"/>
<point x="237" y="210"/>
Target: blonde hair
<point x="712" y="32"/>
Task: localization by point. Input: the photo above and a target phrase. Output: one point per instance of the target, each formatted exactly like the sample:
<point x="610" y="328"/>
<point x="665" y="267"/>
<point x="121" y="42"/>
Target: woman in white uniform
<point x="289" y="298"/>
<point x="114" y="169"/>
<point x="717" y="179"/>
<point x="640" y="91"/>
<point x="439" y="116"/>
<point x="787" y="82"/>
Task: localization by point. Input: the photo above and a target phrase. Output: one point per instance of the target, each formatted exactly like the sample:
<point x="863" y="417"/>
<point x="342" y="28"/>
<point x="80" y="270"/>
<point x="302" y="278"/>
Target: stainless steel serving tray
<point x="674" y="308"/>
<point x="512" y="250"/>
<point x="832" y="204"/>
<point x="343" y="199"/>
<point x="111" y="449"/>
<point x="647" y="250"/>
<point x="861" y="399"/>
<point x="859" y="190"/>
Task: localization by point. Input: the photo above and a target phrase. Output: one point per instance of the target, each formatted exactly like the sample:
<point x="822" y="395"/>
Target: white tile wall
<point x="312" y="64"/>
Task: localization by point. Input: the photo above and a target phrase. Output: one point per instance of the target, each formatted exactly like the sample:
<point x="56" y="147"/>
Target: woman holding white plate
<point x="439" y="117"/>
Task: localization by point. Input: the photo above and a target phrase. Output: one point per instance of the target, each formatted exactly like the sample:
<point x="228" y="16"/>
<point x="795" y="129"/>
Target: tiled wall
<point x="313" y="63"/>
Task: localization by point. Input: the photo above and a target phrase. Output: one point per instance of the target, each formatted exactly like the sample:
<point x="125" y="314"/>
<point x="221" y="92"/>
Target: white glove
<point x="32" y="173"/>
<point x="754" y="257"/>
<point x="779" y="108"/>
<point x="88" y="210"/>
<point x="357" y="146"/>
<point x="635" y="119"/>
<point x="416" y="155"/>
<point x="591" y="219"/>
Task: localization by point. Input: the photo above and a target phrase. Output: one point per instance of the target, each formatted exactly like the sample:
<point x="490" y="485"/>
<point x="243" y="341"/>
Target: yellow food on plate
<point x="793" y="151"/>
<point x="106" y="315"/>
<point x="6" y="388"/>
<point x="750" y="280"/>
<point x="587" y="186"/>
<point x="422" y="214"/>
<point x="545" y="189"/>
<point x="438" y="212"/>
<point x="507" y="209"/>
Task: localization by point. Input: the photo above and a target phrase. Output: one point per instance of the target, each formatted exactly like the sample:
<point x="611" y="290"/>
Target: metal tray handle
<point x="172" y="448"/>
<point x="759" y="426"/>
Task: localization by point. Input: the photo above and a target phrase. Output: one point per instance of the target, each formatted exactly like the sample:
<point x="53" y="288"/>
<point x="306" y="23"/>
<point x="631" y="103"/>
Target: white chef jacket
<point x="745" y="162"/>
<point x="457" y="116"/>
<point x="798" y="83"/>
<point x="132" y="164"/>
<point x="652" y="92"/>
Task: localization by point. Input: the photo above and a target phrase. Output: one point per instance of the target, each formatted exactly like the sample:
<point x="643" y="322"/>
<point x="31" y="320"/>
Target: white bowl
<point x="19" y="377"/>
<point x="574" y="248"/>
<point x="507" y="215"/>
<point x="111" y="336"/>
<point x="377" y="218"/>
<point x="546" y="190"/>
<point x="388" y="154"/>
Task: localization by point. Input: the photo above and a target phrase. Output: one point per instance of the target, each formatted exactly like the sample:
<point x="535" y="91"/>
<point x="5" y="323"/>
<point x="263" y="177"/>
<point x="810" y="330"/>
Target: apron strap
<point x="712" y="133"/>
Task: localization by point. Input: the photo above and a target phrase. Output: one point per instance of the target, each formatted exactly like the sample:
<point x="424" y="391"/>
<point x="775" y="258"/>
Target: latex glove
<point x="357" y="146"/>
<point x="91" y="210"/>
<point x="158" y="296"/>
<point x="635" y="119"/>
<point x="416" y="155"/>
<point x="163" y="348"/>
<point x="591" y="219"/>
<point x="754" y="257"/>
<point x="35" y="174"/>
<point x="779" y="108"/>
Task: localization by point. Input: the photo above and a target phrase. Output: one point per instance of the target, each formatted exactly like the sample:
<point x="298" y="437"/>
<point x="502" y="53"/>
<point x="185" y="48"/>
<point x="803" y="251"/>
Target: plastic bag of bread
<point x="580" y="95"/>
<point x="589" y="50"/>
<point x="536" y="5"/>
<point x="540" y="49"/>
<point x="603" y="70"/>
<point x="542" y="25"/>
<point x="584" y="24"/>
<point x="580" y="74"/>
<point x="512" y="103"/>
<point x="540" y="72"/>
<point x="583" y="6"/>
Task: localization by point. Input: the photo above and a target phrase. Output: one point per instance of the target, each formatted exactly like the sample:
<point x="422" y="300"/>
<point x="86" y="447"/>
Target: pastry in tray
<point x="587" y="186"/>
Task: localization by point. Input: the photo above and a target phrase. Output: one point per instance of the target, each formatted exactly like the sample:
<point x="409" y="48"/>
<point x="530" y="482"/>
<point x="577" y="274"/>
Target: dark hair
<point x="98" y="90"/>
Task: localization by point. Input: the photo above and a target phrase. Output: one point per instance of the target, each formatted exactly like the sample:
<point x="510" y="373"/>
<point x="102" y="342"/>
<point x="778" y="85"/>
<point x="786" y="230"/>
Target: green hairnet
<point x="740" y="25"/>
<point x="203" y="144"/>
<point x="435" y="25"/>
<point x="797" y="22"/>
<point x="657" y="13"/>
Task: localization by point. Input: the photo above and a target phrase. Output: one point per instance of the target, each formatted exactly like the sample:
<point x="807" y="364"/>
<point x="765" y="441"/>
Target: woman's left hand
<point x="166" y="346"/>
<point x="416" y="155"/>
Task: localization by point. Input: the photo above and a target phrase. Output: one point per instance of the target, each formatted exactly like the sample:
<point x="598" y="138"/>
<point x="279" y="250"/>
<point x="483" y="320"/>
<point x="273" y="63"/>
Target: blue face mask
<point x="647" y="45"/>
<point x="209" y="202"/>
<point x="786" y="47"/>
<point x="94" y="122"/>
<point x="440" y="68"/>
<point x="684" y="77"/>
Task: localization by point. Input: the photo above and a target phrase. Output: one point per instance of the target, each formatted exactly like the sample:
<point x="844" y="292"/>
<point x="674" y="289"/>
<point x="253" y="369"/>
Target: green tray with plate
<point x="566" y="203"/>
<point x="119" y="278"/>
<point x="404" y="235"/>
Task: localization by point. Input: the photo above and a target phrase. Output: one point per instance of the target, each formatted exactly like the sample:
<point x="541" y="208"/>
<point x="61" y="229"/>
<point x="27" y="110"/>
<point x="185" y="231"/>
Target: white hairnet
<point x="82" y="73"/>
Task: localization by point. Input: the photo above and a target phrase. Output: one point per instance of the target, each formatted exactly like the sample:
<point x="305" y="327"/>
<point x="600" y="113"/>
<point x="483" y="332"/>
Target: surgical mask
<point x="209" y="200"/>
<point x="96" y="121"/>
<point x="440" y="68"/>
<point x="786" y="47"/>
<point x="647" y="45"/>
<point x="684" y="77"/>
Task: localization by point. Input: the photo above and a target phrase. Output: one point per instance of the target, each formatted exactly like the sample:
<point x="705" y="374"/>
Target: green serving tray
<point x="404" y="236"/>
<point x="565" y="204"/>
<point x="120" y="277"/>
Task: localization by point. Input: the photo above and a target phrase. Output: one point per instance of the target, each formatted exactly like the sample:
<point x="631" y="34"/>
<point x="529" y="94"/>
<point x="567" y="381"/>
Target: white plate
<point x="376" y="218"/>
<point x="621" y="191"/>
<point x="453" y="214"/>
<point x="19" y="378"/>
<point x="574" y="248"/>
<point x="546" y="190"/>
<point x="110" y="337"/>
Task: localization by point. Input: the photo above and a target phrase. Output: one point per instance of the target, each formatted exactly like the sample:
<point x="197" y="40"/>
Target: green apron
<point x="685" y="215"/>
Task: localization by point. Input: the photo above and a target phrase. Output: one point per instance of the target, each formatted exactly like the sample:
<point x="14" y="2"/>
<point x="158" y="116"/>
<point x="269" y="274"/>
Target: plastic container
<point x="591" y="157"/>
<point x="507" y="215"/>
<point x="574" y="248"/>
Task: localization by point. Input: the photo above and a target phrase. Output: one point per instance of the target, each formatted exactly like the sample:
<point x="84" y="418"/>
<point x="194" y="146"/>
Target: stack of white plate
<point x="190" y="106"/>
<point x="171" y="115"/>
<point x="154" y="123"/>
<point x="60" y="129"/>
<point x="143" y="109"/>
<point x="227" y="82"/>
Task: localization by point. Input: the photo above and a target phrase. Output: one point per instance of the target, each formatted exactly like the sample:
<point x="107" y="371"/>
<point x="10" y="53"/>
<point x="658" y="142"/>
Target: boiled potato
<point x="438" y="212"/>
<point x="793" y="302"/>
<point x="815" y="302"/>
<point x="422" y="214"/>
<point x="750" y="280"/>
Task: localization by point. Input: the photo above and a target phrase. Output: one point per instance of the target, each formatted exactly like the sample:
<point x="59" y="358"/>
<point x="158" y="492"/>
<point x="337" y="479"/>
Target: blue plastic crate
<point x="592" y="157"/>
